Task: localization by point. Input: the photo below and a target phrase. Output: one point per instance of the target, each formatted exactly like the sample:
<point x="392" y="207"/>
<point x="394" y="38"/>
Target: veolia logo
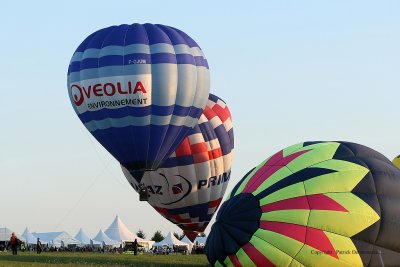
<point x="80" y="92"/>
<point x="77" y="96"/>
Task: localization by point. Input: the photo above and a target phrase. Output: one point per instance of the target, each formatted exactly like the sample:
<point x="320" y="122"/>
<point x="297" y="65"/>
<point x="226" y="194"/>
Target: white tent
<point x="105" y="240"/>
<point x="84" y="239"/>
<point x="29" y="238"/>
<point x="119" y="232"/>
<point x="56" y="239"/>
<point x="186" y="240"/>
<point x="170" y="240"/>
<point x="5" y="234"/>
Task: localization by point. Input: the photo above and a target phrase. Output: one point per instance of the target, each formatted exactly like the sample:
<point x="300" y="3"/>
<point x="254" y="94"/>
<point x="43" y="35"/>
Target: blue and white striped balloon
<point x="139" y="89"/>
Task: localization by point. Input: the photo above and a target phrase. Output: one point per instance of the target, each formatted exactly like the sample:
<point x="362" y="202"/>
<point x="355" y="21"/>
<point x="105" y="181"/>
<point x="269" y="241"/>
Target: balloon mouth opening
<point x="138" y="168"/>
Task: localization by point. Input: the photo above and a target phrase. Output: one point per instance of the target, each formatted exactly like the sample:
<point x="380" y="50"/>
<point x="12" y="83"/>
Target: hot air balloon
<point x="396" y="161"/>
<point x="312" y="204"/>
<point x="139" y="89"/>
<point x="189" y="186"/>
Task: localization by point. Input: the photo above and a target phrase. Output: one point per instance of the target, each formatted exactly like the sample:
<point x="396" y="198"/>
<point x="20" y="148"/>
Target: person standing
<point x="14" y="243"/>
<point x="38" y="246"/>
<point x="135" y="247"/>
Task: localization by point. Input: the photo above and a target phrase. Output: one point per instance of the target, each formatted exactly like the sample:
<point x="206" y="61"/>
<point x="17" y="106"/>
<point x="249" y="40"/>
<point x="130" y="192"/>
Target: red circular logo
<point x="77" y="95"/>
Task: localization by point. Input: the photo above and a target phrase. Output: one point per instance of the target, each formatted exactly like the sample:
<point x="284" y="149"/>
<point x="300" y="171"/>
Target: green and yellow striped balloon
<point x="312" y="204"/>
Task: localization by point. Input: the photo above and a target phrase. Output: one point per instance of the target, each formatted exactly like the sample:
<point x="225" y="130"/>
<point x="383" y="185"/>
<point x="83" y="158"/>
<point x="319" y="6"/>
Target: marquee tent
<point x="105" y="240"/>
<point x="56" y="239"/>
<point x="29" y="238"/>
<point x="84" y="239"/>
<point x="119" y="232"/>
<point x="170" y="240"/>
<point x="186" y="240"/>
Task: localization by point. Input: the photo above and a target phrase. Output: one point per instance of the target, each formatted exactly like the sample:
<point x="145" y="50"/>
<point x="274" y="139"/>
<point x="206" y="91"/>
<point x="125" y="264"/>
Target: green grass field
<point x="97" y="259"/>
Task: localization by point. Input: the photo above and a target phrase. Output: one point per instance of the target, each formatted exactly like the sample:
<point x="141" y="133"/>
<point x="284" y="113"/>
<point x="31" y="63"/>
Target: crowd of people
<point x="16" y="244"/>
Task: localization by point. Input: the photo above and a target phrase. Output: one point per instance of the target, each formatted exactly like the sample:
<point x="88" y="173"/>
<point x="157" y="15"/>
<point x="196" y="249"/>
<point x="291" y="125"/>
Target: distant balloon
<point x="312" y="204"/>
<point x="139" y="89"/>
<point x="396" y="161"/>
<point x="189" y="186"/>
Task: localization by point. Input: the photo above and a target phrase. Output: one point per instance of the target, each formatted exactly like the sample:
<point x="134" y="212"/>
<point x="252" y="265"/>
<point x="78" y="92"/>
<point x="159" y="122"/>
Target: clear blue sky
<point x="291" y="71"/>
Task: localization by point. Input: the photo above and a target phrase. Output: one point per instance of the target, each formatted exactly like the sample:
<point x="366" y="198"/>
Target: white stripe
<point x="116" y="50"/>
<point x="215" y="122"/>
<point x="165" y="84"/>
<point x="228" y="125"/>
<point x="139" y="121"/>
<point x="211" y="104"/>
<point x="215" y="143"/>
<point x="202" y="87"/>
<point x="196" y="138"/>
<point x="202" y="119"/>
<point x="187" y="81"/>
<point x="162" y="48"/>
<point x="228" y="161"/>
<point x="182" y="49"/>
<point x="197" y="52"/>
<point x="208" y="146"/>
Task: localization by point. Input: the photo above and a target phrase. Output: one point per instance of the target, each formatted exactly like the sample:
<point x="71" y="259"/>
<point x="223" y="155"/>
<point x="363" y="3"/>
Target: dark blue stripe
<point x="74" y="66"/>
<point x="300" y="176"/>
<point x="110" y="61"/>
<point x="232" y="138"/>
<point x="223" y="138"/>
<point x="87" y="63"/>
<point x="214" y="98"/>
<point x="195" y="130"/>
<point x="138" y="58"/>
<point x="185" y="59"/>
<point x="201" y="61"/>
<point x="139" y="112"/>
<point x="116" y="60"/>
<point x="195" y="112"/>
<point x="163" y="58"/>
<point x="207" y="131"/>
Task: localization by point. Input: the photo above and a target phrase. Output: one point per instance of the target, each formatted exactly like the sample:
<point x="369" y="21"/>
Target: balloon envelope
<point x="312" y="204"/>
<point x="139" y="89"/>
<point x="189" y="186"/>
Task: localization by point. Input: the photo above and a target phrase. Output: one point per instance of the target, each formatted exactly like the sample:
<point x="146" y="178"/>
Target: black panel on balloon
<point x="237" y="221"/>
